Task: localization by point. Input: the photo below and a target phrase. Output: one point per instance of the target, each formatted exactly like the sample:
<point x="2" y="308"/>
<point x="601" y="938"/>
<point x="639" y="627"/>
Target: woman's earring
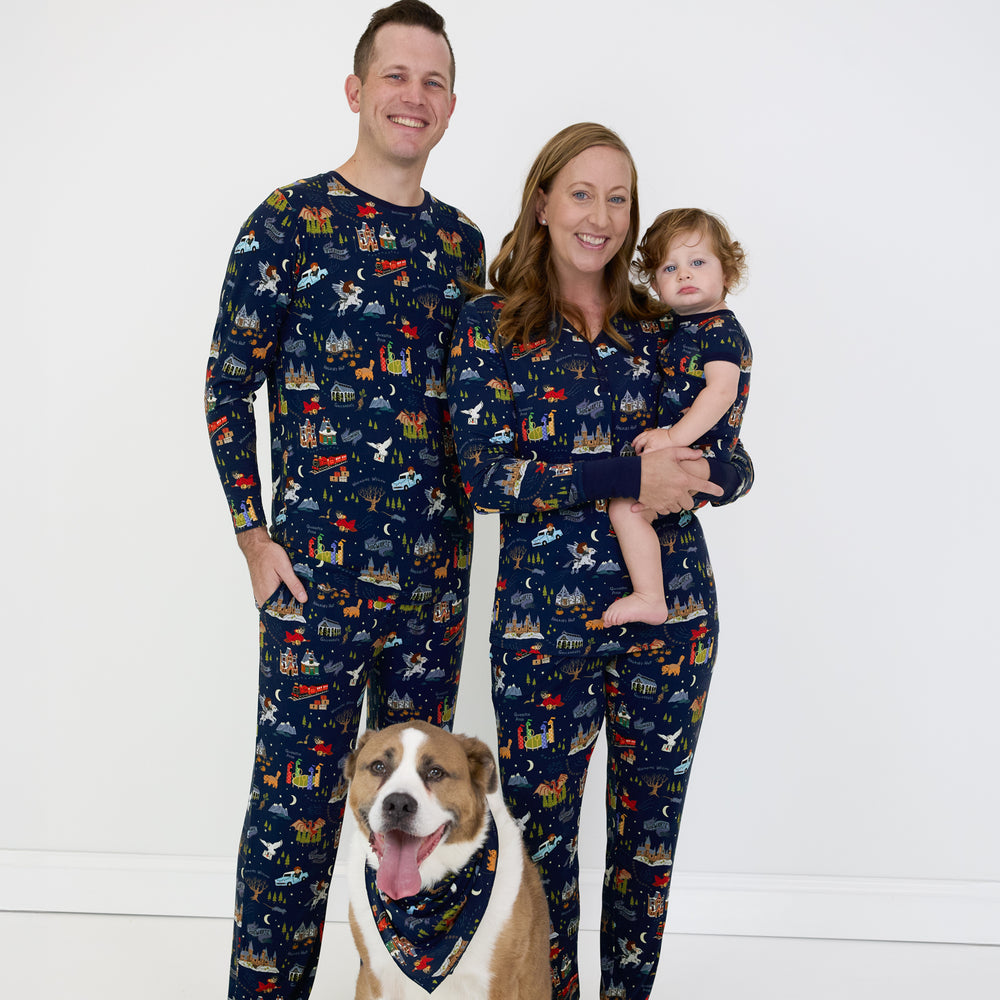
<point x="545" y="222"/>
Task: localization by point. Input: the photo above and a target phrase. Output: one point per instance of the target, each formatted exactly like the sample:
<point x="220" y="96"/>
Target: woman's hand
<point x="671" y="477"/>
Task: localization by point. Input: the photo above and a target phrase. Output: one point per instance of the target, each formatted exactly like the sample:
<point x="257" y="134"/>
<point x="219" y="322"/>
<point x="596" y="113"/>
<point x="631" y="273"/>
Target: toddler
<point x="692" y="262"/>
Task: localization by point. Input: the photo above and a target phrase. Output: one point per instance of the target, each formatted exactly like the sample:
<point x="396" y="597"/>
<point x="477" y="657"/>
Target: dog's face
<point x="419" y="794"/>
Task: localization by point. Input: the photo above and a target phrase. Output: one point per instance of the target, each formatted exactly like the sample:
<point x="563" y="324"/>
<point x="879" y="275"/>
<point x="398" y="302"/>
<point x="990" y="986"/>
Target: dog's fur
<point x="453" y="782"/>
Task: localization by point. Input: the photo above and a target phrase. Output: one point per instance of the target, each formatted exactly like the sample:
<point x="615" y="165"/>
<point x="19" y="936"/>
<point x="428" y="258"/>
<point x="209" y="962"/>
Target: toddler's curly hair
<point x="681" y="221"/>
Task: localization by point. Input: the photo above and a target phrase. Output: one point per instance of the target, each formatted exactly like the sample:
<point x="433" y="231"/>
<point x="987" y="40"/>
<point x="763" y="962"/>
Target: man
<point x="341" y="294"/>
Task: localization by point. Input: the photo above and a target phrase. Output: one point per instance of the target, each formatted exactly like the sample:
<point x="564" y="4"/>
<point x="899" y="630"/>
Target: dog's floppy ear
<point x="352" y="761"/>
<point x="482" y="766"/>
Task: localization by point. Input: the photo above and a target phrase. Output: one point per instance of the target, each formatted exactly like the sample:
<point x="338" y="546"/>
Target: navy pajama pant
<point x="311" y="687"/>
<point x="549" y="713"/>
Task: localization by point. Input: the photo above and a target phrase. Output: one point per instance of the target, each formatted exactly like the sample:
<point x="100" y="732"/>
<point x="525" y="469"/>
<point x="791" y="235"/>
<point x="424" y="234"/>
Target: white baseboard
<point x="809" y="906"/>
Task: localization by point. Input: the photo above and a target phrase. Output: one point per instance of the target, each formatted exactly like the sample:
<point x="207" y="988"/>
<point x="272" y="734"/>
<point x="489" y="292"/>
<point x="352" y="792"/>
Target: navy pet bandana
<point x="427" y="933"/>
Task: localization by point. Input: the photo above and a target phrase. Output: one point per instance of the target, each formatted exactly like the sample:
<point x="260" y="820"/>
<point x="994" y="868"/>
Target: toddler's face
<point x="690" y="278"/>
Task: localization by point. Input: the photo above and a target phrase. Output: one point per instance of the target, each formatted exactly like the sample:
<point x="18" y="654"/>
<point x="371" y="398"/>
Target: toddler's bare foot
<point x="637" y="608"/>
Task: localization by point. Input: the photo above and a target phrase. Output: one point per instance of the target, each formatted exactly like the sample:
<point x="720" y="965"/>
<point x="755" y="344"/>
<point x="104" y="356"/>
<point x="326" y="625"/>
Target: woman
<point x="549" y="381"/>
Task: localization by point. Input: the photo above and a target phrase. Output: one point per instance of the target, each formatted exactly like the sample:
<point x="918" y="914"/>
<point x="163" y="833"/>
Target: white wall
<point x="851" y="146"/>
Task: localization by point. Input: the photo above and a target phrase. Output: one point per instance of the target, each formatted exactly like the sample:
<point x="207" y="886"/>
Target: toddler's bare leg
<point x="641" y="551"/>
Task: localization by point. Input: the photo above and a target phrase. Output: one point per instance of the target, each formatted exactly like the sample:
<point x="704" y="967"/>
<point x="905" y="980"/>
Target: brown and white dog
<point x="423" y="801"/>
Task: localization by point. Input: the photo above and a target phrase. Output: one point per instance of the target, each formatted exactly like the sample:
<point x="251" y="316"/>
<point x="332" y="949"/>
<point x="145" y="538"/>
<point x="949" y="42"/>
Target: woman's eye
<point x="579" y="195"/>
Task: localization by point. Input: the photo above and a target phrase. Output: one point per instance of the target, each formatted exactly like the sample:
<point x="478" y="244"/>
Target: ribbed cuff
<point x="611" y="477"/>
<point x="723" y="474"/>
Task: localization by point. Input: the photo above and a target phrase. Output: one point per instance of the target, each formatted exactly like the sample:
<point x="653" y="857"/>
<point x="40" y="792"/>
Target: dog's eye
<point x="434" y="774"/>
<point x="377" y="767"/>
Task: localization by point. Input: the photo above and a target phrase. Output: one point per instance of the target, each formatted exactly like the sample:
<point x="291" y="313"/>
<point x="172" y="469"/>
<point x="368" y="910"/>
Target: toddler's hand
<point x="652" y="439"/>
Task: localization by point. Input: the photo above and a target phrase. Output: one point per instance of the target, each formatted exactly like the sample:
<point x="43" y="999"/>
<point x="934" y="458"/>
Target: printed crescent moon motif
<point x="361" y="277"/>
<point x="687" y="385"/>
<point x="642" y="937"/>
<point x="694" y="679"/>
<point x="284" y="264"/>
<point x="300" y="470"/>
<point x="429" y="645"/>
<point x="590" y="689"/>
<point x="393" y="392"/>
<point x="685" y="562"/>
<point x="531" y="765"/>
<point x="664" y="811"/>
<point x="267" y="919"/>
<point x="277" y="694"/>
<point x="295" y="799"/>
<point x="385" y="528"/>
<point x="299" y="331"/>
<point x="527" y="584"/>
<point x="597" y="390"/>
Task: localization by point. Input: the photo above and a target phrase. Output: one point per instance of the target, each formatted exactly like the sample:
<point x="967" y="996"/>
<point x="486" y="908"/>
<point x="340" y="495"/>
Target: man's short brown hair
<point x="413" y="13"/>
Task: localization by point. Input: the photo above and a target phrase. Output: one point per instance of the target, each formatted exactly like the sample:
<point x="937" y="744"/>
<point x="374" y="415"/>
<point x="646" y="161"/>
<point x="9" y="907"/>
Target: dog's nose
<point x="399" y="806"/>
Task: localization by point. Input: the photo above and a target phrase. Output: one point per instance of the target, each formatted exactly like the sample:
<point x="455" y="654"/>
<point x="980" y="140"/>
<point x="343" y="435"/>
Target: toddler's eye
<point x="669" y="268"/>
<point x="697" y="263"/>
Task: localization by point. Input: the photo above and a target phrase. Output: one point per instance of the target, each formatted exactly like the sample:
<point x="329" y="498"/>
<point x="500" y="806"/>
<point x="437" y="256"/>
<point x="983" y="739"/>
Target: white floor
<point x="61" y="956"/>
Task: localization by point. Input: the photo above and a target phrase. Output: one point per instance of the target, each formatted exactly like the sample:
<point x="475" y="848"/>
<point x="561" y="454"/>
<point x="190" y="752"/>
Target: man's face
<point x="405" y="101"/>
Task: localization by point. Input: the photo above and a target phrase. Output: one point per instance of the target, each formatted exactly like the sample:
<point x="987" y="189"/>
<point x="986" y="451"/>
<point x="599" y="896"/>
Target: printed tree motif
<point x="517" y="553"/>
<point x="473" y="453"/>
<point x="371" y="494"/>
<point x="655" y="782"/>
<point x="572" y="669"/>
<point x="578" y="365"/>
<point x="256" y="884"/>
<point x="430" y="301"/>
<point x="345" y="719"/>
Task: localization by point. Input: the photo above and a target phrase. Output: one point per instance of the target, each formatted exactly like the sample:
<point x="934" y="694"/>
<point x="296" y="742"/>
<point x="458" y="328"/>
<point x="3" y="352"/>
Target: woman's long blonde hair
<point x="522" y="272"/>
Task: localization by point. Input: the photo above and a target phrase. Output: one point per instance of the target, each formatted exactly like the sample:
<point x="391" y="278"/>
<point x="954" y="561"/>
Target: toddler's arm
<point x="722" y="383"/>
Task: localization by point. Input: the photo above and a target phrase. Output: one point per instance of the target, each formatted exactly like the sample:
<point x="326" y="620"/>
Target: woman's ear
<point x="541" y="200"/>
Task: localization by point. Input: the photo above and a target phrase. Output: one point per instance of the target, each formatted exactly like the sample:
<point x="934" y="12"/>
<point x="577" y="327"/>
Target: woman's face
<point x="586" y="212"/>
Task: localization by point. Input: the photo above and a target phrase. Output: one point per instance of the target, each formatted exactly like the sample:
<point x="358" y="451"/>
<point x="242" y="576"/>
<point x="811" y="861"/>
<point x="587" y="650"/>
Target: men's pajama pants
<point x="311" y="687"/>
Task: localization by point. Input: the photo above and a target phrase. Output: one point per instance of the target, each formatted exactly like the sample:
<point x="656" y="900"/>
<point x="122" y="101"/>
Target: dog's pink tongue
<point x="398" y="875"/>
